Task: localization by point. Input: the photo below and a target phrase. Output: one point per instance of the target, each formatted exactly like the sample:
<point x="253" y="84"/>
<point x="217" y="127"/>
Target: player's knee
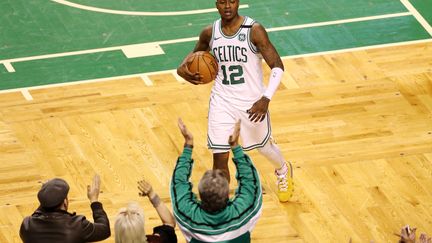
<point x="266" y="148"/>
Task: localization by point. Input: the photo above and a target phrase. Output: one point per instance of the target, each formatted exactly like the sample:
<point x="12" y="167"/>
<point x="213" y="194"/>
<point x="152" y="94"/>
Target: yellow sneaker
<point x="285" y="183"/>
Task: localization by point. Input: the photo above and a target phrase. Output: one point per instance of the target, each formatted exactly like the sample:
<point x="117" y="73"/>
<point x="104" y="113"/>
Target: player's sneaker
<point x="285" y="183"/>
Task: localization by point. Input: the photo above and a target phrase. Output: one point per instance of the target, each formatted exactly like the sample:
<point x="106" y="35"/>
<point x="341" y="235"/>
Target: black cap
<point x="53" y="193"/>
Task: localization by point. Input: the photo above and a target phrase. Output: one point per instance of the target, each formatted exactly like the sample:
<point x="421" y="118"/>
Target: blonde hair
<point x="129" y="225"/>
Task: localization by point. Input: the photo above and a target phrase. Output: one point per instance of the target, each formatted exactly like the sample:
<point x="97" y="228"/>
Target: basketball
<point x="204" y="63"/>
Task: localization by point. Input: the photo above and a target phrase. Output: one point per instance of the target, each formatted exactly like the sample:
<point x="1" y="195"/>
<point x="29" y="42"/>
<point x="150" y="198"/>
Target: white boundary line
<point x="146" y="80"/>
<point x="25" y="92"/>
<point x="418" y="16"/>
<point x="139" y="13"/>
<point x="9" y="67"/>
<point x="342" y="21"/>
<point x="114" y="48"/>
<point x="360" y="48"/>
<point x="137" y="75"/>
<point x="173" y="71"/>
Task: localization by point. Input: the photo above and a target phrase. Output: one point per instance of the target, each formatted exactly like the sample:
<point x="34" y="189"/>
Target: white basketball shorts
<point x="221" y="120"/>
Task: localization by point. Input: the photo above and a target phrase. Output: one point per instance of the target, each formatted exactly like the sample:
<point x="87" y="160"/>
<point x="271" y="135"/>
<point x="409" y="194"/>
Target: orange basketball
<point x="204" y="63"/>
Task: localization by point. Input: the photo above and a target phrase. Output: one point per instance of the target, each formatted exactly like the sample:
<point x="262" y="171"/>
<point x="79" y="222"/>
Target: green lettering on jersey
<point x="235" y="74"/>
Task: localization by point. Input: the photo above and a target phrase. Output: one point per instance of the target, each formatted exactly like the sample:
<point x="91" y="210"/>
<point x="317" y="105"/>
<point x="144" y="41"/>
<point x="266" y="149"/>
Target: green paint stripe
<point x="424" y="7"/>
<point x="30" y="28"/>
<point x="348" y="35"/>
<point x="147" y="6"/>
<point x="292" y="42"/>
<point x="90" y="66"/>
<point x="293" y="12"/>
<point x="3" y="70"/>
<point x="40" y="27"/>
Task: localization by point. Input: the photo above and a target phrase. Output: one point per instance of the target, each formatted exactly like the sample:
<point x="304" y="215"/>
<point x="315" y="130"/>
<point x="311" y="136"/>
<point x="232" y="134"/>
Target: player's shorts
<point x="221" y="120"/>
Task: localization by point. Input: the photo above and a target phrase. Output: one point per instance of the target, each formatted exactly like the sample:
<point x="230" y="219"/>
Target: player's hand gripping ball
<point x="205" y="64"/>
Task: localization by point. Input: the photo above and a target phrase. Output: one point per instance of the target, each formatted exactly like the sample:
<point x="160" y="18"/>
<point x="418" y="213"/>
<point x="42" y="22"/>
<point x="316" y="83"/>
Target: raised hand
<point x="185" y="132"/>
<point x="407" y="234"/>
<point x="145" y="188"/>
<point x="424" y="238"/>
<point x="233" y="138"/>
<point x="94" y="189"/>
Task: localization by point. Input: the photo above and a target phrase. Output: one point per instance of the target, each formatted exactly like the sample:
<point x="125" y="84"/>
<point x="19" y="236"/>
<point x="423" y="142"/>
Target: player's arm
<point x="203" y="44"/>
<point x="260" y="39"/>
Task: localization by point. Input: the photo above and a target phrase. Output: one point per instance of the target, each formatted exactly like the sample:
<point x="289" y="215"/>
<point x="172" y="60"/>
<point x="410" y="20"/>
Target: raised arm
<point x="249" y="185"/>
<point x="203" y="44"/>
<point x="182" y="198"/>
<point x="100" y="229"/>
<point x="164" y="214"/>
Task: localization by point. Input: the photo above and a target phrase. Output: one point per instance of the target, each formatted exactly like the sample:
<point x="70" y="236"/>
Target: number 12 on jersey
<point x="232" y="76"/>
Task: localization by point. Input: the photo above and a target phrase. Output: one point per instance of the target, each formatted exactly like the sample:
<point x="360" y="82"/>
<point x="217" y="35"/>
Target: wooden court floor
<point x="357" y="126"/>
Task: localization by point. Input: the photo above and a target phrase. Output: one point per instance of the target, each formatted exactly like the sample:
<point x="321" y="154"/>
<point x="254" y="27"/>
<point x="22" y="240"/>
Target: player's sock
<point x="283" y="170"/>
<point x="272" y="152"/>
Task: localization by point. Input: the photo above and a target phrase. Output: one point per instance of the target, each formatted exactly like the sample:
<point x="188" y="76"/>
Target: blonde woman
<point x="129" y="224"/>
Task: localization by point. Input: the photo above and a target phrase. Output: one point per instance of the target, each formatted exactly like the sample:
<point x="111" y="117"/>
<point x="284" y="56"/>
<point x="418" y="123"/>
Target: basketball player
<point x="239" y="43"/>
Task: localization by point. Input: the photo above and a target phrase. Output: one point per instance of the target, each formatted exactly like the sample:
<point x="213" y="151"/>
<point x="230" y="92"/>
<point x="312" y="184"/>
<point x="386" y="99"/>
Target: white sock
<point x="272" y="152"/>
<point x="283" y="170"/>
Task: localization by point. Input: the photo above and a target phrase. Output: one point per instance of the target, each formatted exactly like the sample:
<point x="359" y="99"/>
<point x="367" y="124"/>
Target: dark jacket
<point x="60" y="226"/>
<point x="162" y="234"/>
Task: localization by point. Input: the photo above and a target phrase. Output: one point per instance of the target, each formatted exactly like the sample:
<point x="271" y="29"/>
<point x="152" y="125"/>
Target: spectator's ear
<point x="66" y="204"/>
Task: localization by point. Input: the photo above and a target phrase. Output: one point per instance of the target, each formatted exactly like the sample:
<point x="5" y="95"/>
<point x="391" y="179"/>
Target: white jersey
<point x="239" y="79"/>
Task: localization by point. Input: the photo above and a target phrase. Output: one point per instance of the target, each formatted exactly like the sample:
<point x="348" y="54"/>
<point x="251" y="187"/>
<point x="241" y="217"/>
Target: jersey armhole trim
<point x="249" y="39"/>
<point x="213" y="34"/>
